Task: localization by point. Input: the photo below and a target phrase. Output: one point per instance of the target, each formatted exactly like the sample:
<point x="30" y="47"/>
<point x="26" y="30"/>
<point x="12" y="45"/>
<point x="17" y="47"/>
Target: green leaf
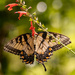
<point x="35" y="17"/>
<point x="43" y="25"/>
<point x="39" y="29"/>
<point x="37" y="21"/>
<point x="59" y="42"/>
<point x="34" y="13"/>
<point x="24" y="6"/>
<point x="30" y="19"/>
<point x="20" y="1"/>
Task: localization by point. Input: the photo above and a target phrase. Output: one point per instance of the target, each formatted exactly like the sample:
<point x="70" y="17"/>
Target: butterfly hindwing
<point x="22" y="45"/>
<point x="27" y="58"/>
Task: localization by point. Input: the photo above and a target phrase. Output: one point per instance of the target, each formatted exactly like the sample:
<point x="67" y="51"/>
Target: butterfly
<point x="41" y="46"/>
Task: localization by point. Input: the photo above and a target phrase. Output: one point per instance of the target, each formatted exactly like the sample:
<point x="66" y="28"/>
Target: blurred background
<point x="58" y="16"/>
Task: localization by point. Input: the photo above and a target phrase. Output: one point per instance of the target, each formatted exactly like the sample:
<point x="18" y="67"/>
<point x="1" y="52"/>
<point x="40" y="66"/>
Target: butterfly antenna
<point x="44" y="66"/>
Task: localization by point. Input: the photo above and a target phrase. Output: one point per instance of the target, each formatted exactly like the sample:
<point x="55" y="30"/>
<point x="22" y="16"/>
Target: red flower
<point x="21" y="13"/>
<point x="17" y="0"/>
<point x="11" y="5"/>
<point x="33" y="29"/>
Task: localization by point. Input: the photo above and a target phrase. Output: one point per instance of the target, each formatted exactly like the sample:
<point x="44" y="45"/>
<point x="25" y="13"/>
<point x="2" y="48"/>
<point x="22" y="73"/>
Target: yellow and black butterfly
<point x="42" y="46"/>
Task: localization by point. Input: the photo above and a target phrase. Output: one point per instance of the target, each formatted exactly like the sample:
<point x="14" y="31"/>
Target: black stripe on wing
<point x="63" y="39"/>
<point x="25" y="58"/>
<point x="12" y="50"/>
<point x="45" y="56"/>
<point x="16" y="45"/>
<point x="54" y="44"/>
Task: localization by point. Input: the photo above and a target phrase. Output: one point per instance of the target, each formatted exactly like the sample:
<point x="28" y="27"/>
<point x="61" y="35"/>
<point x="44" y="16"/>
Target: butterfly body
<point x="41" y="45"/>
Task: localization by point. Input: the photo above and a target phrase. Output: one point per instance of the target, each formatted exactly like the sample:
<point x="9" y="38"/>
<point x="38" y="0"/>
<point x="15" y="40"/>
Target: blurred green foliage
<point x="59" y="17"/>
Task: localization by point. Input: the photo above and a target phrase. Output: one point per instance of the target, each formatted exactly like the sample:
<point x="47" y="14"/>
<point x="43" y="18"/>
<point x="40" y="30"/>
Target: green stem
<point x="62" y="43"/>
<point x="20" y="1"/>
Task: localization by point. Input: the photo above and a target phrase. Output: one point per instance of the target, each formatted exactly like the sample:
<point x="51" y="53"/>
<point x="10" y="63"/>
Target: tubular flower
<point x="17" y="0"/>
<point x="21" y="13"/>
<point x="33" y="29"/>
<point x="11" y="5"/>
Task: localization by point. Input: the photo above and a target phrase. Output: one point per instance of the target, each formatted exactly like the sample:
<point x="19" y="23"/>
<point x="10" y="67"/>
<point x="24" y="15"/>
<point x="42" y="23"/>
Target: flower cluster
<point x="17" y="0"/>
<point x="11" y="5"/>
<point x="33" y="29"/>
<point x="21" y="13"/>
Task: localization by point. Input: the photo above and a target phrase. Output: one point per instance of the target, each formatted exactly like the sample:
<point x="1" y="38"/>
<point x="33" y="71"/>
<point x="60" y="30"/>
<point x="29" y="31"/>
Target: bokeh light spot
<point x="57" y="4"/>
<point x="41" y="6"/>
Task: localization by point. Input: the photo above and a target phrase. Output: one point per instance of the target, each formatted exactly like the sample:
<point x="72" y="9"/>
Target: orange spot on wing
<point x="27" y="62"/>
<point x="24" y="60"/>
<point x="31" y="62"/>
<point x="40" y="61"/>
<point x="47" y="57"/>
<point x="22" y="56"/>
<point x="22" y="52"/>
<point x="49" y="53"/>
<point x="44" y="59"/>
<point x="50" y="49"/>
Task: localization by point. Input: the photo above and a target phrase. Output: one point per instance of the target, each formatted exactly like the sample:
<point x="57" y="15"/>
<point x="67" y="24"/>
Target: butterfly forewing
<point x="22" y="45"/>
<point x="55" y="44"/>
